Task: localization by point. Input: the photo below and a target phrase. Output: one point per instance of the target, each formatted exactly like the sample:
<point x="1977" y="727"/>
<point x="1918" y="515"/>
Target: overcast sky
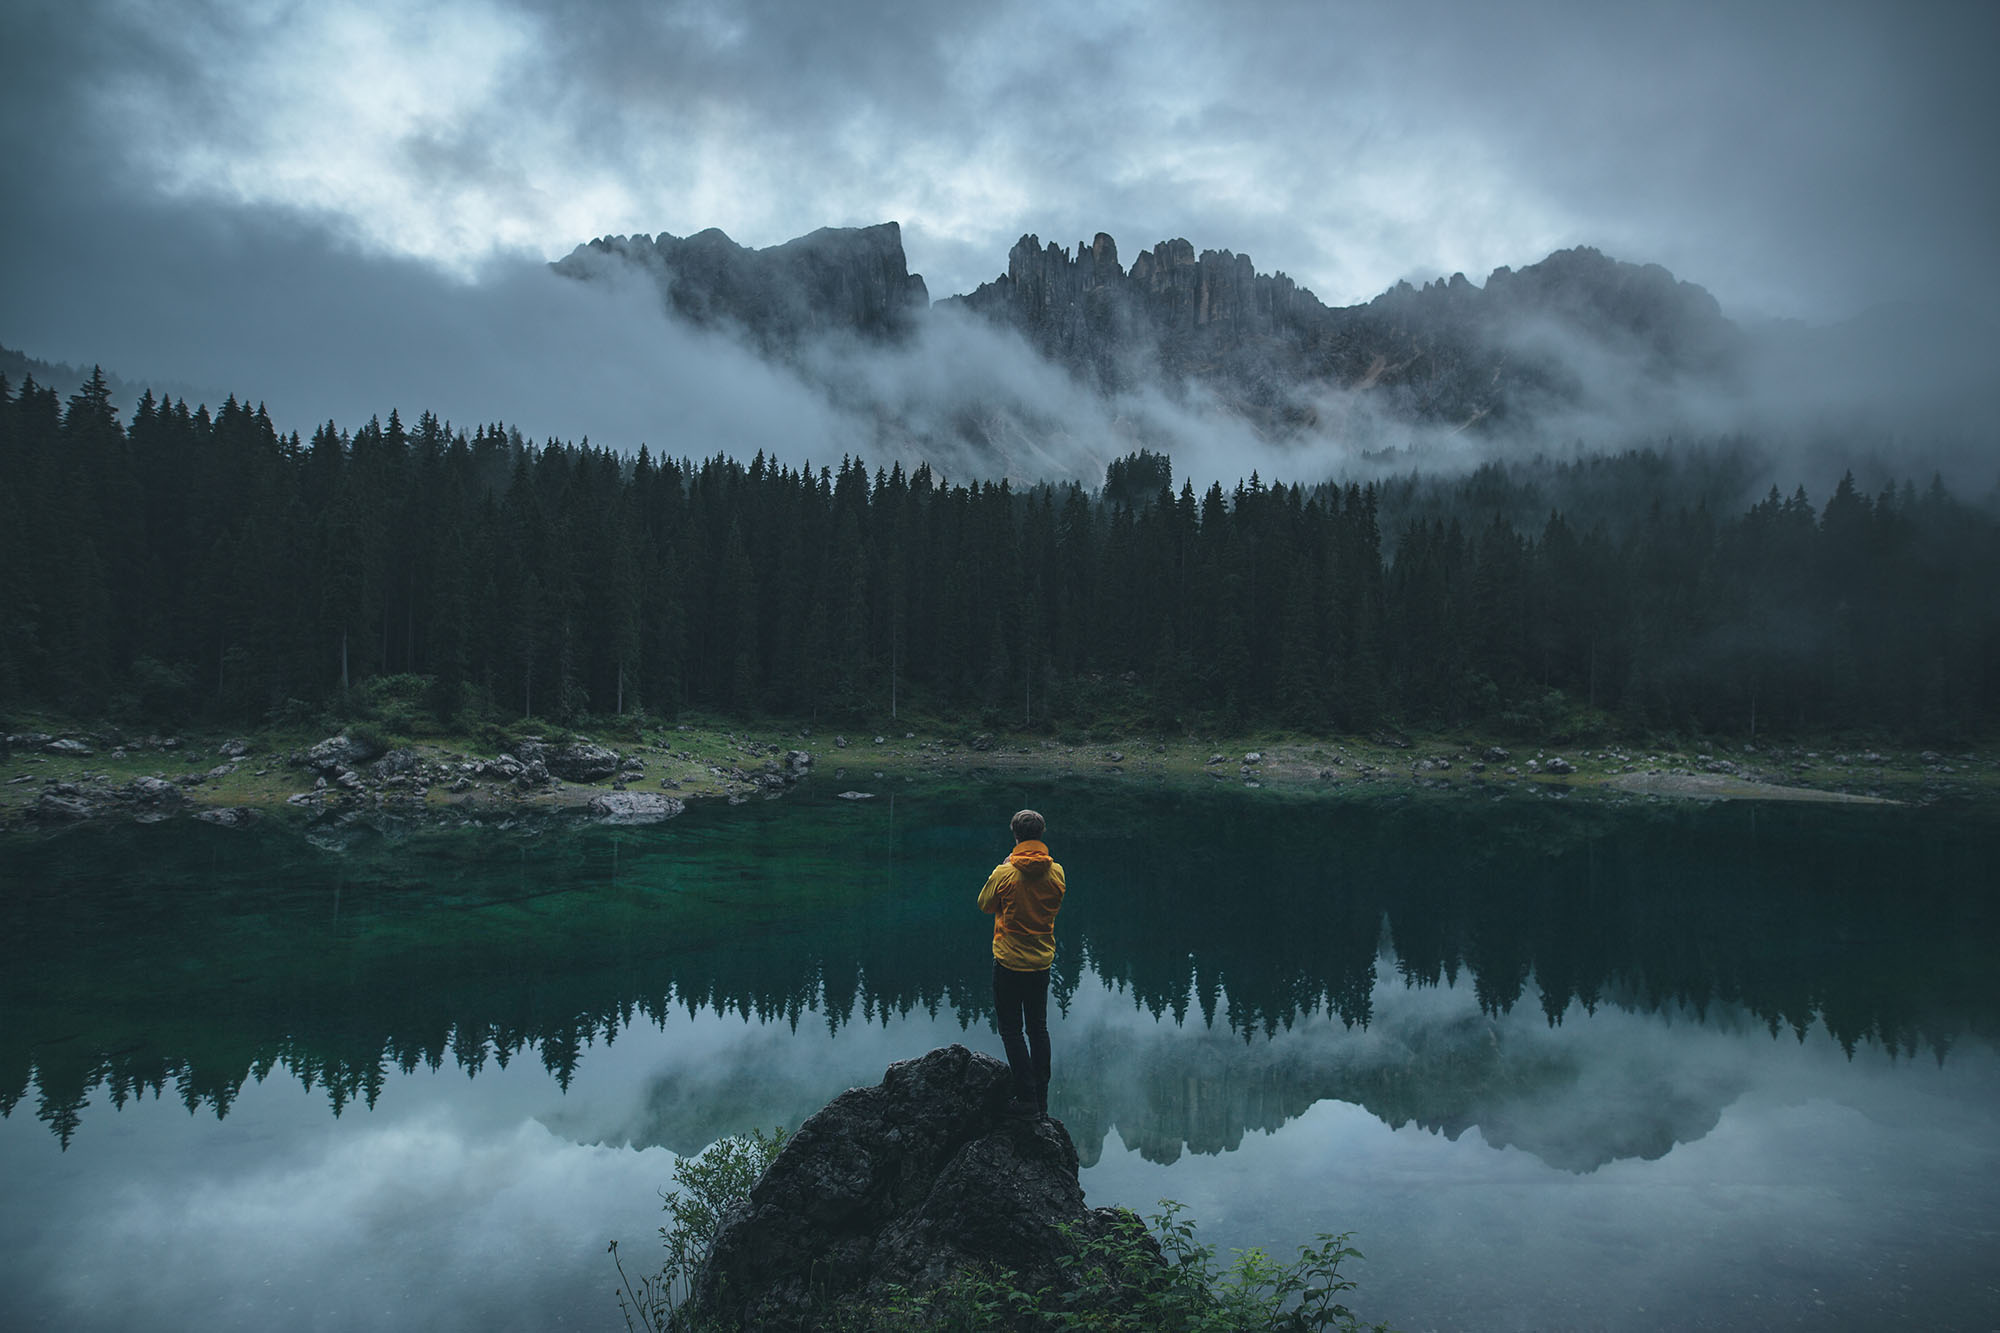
<point x="185" y="177"/>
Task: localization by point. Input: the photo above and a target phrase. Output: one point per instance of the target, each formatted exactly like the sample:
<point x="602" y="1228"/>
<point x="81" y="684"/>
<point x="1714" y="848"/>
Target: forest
<point x="185" y="565"/>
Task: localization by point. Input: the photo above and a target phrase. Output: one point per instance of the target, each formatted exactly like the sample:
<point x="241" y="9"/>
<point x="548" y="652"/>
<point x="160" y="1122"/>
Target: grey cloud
<point x="1797" y="158"/>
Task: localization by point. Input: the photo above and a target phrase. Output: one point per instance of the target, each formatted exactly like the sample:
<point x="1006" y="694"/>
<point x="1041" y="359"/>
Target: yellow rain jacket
<point x="1024" y="893"/>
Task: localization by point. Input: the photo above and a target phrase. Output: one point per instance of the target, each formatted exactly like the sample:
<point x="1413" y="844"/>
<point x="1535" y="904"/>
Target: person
<point x="1024" y="893"/>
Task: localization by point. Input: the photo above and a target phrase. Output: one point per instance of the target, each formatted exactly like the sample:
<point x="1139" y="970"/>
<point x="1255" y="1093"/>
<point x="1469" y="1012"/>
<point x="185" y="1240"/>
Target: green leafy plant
<point x="706" y="1186"/>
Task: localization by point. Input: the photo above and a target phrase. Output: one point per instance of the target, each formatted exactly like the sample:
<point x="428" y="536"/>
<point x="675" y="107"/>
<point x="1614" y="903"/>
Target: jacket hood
<point x="1031" y="857"/>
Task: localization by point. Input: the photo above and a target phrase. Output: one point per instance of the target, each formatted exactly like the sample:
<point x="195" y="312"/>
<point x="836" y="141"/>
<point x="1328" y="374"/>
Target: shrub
<point x="1119" y="1284"/>
<point x="706" y="1186"/>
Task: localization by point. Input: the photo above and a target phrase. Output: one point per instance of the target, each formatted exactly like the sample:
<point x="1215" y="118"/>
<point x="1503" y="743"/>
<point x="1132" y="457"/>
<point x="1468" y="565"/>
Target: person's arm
<point x="990" y="896"/>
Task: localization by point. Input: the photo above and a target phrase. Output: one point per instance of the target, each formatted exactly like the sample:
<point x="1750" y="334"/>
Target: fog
<point x="346" y="208"/>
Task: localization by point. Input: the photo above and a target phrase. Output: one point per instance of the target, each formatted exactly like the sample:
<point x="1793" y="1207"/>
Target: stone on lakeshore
<point x="581" y="761"/>
<point x="55" y="809"/>
<point x="339" y="752"/>
<point x="154" y="791"/>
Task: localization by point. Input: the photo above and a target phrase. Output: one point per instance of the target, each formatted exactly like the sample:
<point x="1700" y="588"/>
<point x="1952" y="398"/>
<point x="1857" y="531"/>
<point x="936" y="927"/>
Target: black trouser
<point x="1022" y="998"/>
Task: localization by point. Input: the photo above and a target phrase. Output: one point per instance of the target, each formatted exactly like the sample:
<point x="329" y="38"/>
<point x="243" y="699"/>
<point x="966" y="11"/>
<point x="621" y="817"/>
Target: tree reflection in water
<point x="181" y="960"/>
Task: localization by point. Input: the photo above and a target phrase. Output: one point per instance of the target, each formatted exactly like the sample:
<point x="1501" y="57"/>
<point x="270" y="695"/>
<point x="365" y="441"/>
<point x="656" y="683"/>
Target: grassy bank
<point x="715" y="759"/>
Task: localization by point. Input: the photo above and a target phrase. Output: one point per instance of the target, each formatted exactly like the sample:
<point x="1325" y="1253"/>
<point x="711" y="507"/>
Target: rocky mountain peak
<point x="834" y="280"/>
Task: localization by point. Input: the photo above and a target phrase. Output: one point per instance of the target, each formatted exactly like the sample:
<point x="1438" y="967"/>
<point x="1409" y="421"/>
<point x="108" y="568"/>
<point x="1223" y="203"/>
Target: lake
<point x="1556" y="1063"/>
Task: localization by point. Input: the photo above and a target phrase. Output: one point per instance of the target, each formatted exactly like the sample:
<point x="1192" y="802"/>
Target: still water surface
<point x="1556" y="1065"/>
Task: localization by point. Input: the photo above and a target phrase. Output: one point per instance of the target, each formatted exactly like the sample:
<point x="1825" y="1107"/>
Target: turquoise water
<point x="1557" y="1064"/>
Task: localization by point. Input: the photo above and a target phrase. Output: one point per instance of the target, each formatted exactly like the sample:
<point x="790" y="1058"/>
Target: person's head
<point x="1027" y="826"/>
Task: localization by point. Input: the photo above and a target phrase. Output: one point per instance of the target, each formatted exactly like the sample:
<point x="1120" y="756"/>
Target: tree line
<point x="186" y="564"/>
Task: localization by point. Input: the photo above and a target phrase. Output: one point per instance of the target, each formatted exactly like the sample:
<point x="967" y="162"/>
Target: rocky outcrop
<point x="1527" y="342"/>
<point x="836" y="280"/>
<point x="1577" y="330"/>
<point x="901" y="1185"/>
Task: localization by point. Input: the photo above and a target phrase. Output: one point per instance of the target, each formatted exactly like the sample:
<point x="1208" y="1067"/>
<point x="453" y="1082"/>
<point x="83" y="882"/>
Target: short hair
<point x="1027" y="825"/>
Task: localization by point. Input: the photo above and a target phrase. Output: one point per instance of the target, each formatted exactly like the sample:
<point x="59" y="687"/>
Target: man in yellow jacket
<point x="1024" y="893"/>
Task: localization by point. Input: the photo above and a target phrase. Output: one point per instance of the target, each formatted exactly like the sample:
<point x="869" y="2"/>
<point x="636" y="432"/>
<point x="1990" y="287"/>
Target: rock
<point x="397" y="763"/>
<point x="581" y="761"/>
<point x="68" y="747"/>
<point x="339" y="752"/>
<point x="1493" y="754"/>
<point x="349" y="779"/>
<point x="1215" y="759"/>
<point x="900" y="1187"/>
<point x="221" y="771"/>
<point x="983" y="741"/>
<point x="635" y="807"/>
<point x="840" y="742"/>
<point x="1254" y="757"/>
<point x="799" y="762"/>
<point x="1559" y="766"/>
<point x="55" y="809"/>
<point x="1115" y="757"/>
<point x="236" y="816"/>
<point x="154" y="791"/>
<point x="857" y="796"/>
<point x="233" y="749"/>
<point x="505" y="766"/>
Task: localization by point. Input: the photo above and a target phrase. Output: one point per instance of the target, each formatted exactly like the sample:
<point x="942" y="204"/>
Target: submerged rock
<point x="635" y="807"/>
<point x="902" y="1186"/>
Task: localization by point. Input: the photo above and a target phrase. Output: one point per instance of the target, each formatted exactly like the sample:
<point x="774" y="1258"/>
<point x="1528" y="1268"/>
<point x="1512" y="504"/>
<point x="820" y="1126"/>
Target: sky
<point x="347" y="202"/>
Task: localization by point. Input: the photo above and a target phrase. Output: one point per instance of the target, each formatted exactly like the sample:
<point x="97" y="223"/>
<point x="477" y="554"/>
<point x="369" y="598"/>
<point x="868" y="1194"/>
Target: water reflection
<point x="1606" y="1067"/>
<point x="182" y="960"/>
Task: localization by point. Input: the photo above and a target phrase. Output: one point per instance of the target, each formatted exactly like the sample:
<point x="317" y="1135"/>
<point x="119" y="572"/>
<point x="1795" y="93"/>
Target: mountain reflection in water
<point x="182" y="960"/>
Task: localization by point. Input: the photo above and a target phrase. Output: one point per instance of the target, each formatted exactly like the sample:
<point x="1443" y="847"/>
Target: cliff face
<point x="1576" y="330"/>
<point x="1448" y="351"/>
<point x="835" y="280"/>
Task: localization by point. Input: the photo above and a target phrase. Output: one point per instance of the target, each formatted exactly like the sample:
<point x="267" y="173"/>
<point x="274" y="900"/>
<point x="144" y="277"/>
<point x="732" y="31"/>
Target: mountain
<point x="1549" y="338"/>
<point x="1445" y="352"/>
<point x="838" y="279"/>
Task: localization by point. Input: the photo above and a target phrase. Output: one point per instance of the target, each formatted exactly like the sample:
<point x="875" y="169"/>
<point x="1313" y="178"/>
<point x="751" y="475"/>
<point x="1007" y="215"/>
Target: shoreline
<point x="57" y="777"/>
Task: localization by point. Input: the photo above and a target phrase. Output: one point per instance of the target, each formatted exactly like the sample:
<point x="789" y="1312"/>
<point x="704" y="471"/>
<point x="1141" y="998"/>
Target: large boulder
<point x="340" y="752"/>
<point x="581" y="761"/>
<point x="902" y="1185"/>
